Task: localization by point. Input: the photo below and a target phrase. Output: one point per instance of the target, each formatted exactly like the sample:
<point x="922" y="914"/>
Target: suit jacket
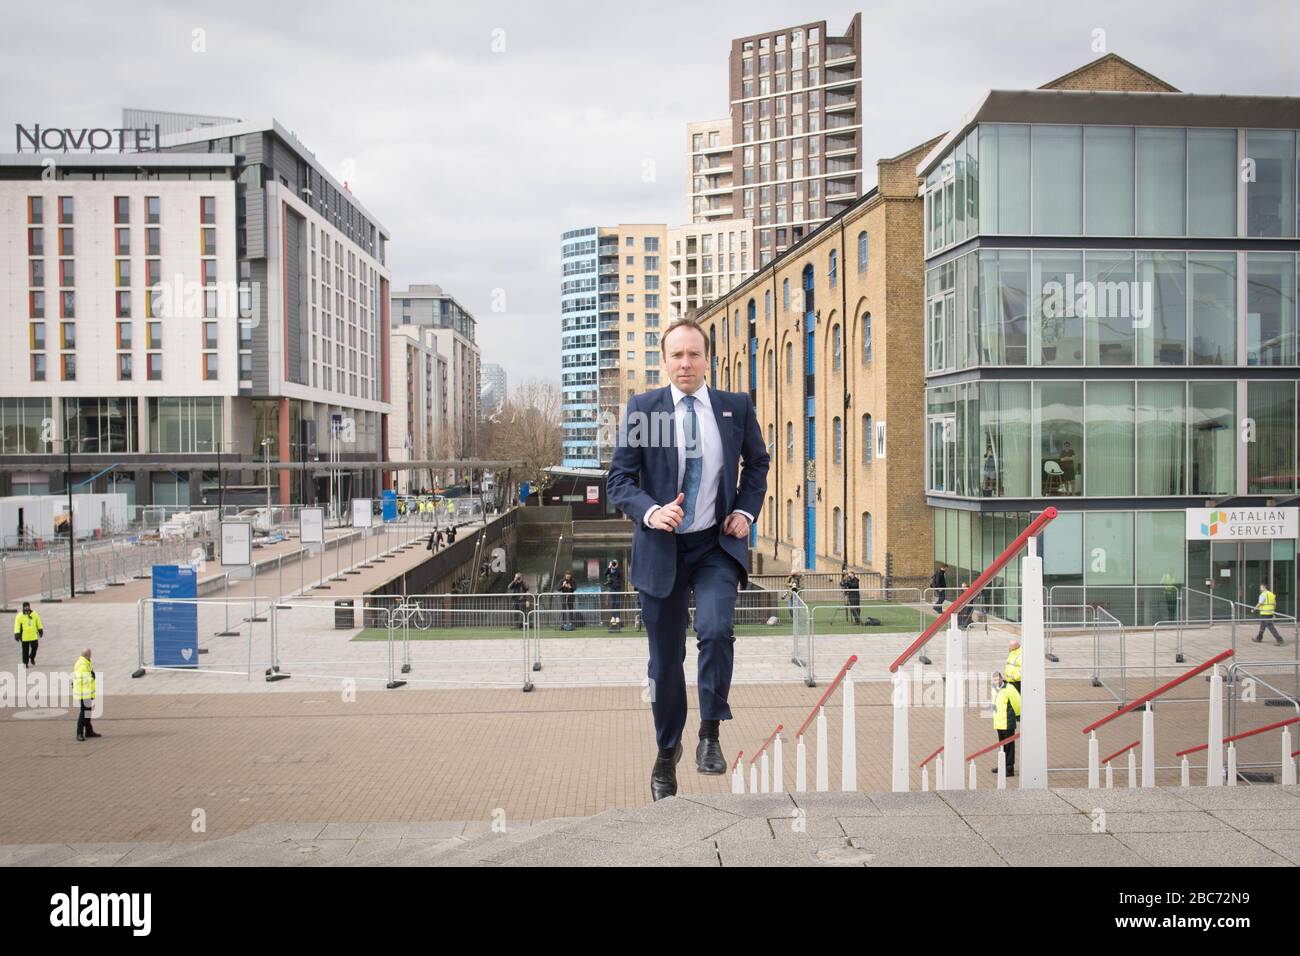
<point x="643" y="474"/>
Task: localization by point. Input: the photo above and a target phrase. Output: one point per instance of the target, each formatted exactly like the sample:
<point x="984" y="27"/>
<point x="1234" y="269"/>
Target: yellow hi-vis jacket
<point x="29" y="626"/>
<point x="1012" y="671"/>
<point x="1267" y="603"/>
<point x="83" y="680"/>
<point x="1006" y="695"/>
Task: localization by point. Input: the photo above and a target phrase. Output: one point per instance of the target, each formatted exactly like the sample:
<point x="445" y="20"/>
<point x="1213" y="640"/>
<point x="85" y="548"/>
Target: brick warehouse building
<point x="843" y="486"/>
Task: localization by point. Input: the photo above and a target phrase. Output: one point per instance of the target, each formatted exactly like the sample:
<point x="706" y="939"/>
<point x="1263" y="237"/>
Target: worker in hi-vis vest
<point x="1014" y="657"/>
<point x="83" y="690"/>
<point x="1267" y="608"/>
<point x="1006" y="715"/>
<point x="28" y="630"/>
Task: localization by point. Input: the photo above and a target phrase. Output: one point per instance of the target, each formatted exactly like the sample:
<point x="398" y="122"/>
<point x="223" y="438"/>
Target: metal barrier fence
<point x="114" y="567"/>
<point x="226" y="641"/>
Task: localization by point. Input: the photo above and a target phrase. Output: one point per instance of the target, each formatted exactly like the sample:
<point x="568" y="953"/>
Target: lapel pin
<point x="726" y="414"/>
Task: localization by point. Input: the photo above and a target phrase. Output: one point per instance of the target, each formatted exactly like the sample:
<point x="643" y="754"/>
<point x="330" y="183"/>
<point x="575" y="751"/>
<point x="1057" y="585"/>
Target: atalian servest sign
<point x="1242" y="524"/>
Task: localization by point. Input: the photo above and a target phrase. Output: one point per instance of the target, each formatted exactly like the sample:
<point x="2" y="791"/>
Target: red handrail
<point x="1000" y="743"/>
<point x="929" y="758"/>
<point x="1241" y="736"/>
<point x="765" y="743"/>
<point x="1121" y="751"/>
<point x="826" y="696"/>
<point x="1160" y="690"/>
<point x="977" y="585"/>
<point x="737" y="763"/>
<point x="1295" y="753"/>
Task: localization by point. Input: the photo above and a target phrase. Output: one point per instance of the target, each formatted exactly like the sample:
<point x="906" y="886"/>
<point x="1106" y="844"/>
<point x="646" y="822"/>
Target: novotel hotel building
<point x="1110" y="329"/>
<point x="180" y="290"/>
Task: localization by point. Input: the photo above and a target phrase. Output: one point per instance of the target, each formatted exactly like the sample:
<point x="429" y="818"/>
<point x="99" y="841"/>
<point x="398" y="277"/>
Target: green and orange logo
<point x="1210" y="527"/>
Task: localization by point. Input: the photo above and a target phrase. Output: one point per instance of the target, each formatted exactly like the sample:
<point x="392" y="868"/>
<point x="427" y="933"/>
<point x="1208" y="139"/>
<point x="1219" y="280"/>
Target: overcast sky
<point x="476" y="160"/>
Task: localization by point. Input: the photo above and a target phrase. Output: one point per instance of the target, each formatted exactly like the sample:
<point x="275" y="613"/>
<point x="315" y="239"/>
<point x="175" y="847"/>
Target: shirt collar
<point x="701" y="393"/>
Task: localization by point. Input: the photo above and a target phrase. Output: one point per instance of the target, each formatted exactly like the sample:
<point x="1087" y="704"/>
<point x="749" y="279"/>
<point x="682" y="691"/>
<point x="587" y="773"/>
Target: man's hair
<point x="688" y="322"/>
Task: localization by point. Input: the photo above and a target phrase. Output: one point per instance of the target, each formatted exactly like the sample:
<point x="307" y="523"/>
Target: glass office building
<point x="1110" y="328"/>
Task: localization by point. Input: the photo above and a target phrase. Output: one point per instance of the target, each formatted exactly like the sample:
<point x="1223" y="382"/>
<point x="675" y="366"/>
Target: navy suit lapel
<point x="729" y="451"/>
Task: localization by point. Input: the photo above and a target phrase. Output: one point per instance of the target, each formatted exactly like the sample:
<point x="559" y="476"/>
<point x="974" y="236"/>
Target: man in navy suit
<point x="675" y="472"/>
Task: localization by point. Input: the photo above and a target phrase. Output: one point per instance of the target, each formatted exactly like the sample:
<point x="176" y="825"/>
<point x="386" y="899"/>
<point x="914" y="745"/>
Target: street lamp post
<point x="72" y="534"/>
<point x="266" y="457"/>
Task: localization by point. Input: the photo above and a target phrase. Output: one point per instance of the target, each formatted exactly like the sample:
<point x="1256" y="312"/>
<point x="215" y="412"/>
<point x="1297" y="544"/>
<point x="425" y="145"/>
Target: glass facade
<point x="185" y="425"/>
<point x="1122" y="338"/>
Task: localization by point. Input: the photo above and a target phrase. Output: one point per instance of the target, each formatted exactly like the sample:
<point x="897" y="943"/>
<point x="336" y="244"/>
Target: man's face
<point x="684" y="353"/>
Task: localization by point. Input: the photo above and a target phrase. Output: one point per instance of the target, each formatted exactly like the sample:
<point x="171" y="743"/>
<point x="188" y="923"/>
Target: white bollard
<point x="972" y="783"/>
<point x="1232" y="765"/>
<point x="902" y="697"/>
<point x="1132" y="771"/>
<point x="737" y="780"/>
<point x="925" y="779"/>
<point x="1288" y="762"/>
<point x="1148" y="747"/>
<point x="939" y="780"/>
<point x="954" y="709"/>
<point x="1186" y="774"/>
<point x="753" y="778"/>
<point x="1110" y="777"/>
<point x="764" y="775"/>
<point x="1002" y="769"/>
<point x="1214" y="753"/>
<point x="1093" y="761"/>
<point x="1033" y="674"/>
<point x="823" y="753"/>
<point x="778" y="769"/>
<point x="849" y="741"/>
<point x="800" y="765"/>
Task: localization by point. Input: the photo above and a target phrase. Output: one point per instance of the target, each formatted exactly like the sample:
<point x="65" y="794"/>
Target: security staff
<point x="83" y="690"/>
<point x="1006" y="715"/>
<point x="1267" y="607"/>
<point x="28" y="630"/>
<point x="1014" y="655"/>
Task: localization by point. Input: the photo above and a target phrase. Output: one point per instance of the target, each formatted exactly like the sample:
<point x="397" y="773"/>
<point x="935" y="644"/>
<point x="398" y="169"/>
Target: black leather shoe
<point x="708" y="757"/>
<point x="663" y="778"/>
<point x="91" y="733"/>
<point x="81" y="738"/>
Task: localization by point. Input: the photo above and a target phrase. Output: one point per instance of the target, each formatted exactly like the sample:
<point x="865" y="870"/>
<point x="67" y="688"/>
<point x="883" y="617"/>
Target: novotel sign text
<point x="61" y="139"/>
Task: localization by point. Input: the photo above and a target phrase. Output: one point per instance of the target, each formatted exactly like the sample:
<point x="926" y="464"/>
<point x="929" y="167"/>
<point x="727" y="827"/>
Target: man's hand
<point x="668" y="517"/>
<point x="736" y="525"/>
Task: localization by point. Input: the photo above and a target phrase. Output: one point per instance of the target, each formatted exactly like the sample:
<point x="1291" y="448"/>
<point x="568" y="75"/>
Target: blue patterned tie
<point x="694" y="464"/>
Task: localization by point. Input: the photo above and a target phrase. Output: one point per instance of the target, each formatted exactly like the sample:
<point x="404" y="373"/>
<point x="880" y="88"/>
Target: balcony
<point x="609" y="269"/>
<point x="839" y="53"/>
<point x="609" y="363"/>
<point x="839" y="101"/>
<point x="608" y="248"/>
<point x="838" y="187"/>
<point x="836" y="121"/>
<point x="606" y="324"/>
<point x="609" y="287"/>
<point x="841" y="144"/>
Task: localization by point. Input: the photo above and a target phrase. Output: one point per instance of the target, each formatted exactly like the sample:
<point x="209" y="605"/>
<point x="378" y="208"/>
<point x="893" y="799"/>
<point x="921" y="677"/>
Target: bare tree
<point x="527" y="428"/>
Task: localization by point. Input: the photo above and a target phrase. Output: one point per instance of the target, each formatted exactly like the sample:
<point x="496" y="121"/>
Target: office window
<point x="68" y="305"/>
<point x="208" y="246"/>
<point x="209" y="365"/>
<point x="1270" y="308"/>
<point x="209" y="270"/>
<point x="124" y="335"/>
<point x="1271" y="465"/>
<point x="65" y="210"/>
<point x="154" y="332"/>
<point x="1212" y="424"/>
<point x="1161" y="438"/>
<point x="208" y="210"/>
<point x="1270" y="199"/>
<point x="1108" y="180"/>
<point x="1161" y="181"/>
<point x="154" y="365"/>
<point x="36" y="336"/>
<point x="38" y="367"/>
<point x="152" y="209"/>
<point x="153" y="242"/>
<point x="1057" y="180"/>
<point x="124" y="370"/>
<point x="1161" y="340"/>
<point x="1212" y="277"/>
<point x="1212" y="182"/>
<point x="36" y="273"/>
<point x="1110" y="436"/>
<point x="36" y="242"/>
<point x="123" y="269"/>
<point x="122" y="245"/>
<point x="123" y="304"/>
<point x="36" y="304"/>
<point x="35" y="210"/>
<point x="67" y="272"/>
<point x="121" y="209"/>
<point x="209" y="335"/>
<point x="65" y="242"/>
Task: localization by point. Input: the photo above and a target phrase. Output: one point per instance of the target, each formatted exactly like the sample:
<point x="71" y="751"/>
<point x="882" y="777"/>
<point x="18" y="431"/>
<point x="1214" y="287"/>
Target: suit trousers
<point x="704" y="568"/>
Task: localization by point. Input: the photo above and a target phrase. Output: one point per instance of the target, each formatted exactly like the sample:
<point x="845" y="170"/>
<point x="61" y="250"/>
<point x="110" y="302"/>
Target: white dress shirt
<point x="710" y="442"/>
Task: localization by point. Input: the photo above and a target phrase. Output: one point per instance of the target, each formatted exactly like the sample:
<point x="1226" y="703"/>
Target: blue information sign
<point x="524" y="491"/>
<point x="388" y="504"/>
<point x="175" y="625"/>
